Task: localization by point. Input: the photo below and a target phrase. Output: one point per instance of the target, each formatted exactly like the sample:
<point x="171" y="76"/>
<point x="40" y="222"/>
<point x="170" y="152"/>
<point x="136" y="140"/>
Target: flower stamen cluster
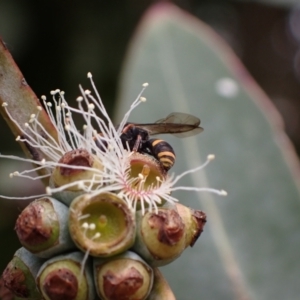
<point x="100" y="138"/>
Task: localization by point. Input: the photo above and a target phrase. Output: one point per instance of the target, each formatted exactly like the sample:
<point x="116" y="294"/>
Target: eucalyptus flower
<point x="136" y="178"/>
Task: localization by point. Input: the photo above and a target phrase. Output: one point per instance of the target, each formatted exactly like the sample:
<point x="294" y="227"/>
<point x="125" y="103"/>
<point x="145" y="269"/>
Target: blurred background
<point x="55" y="43"/>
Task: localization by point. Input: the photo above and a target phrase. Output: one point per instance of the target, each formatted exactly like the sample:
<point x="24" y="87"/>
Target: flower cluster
<point x="103" y="201"/>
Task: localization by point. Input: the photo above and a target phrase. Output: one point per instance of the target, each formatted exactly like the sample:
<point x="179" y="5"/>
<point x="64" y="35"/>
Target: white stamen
<point x="92" y="226"/>
<point x="96" y="236"/>
<point x="102" y="139"/>
<point x="85" y="225"/>
<point x="223" y="193"/>
<point x="211" y="157"/>
<point x="48" y="190"/>
<point x="83" y="263"/>
<point x="83" y="216"/>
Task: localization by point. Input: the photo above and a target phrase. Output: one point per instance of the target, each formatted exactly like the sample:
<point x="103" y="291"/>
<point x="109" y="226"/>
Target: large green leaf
<point x="250" y="245"/>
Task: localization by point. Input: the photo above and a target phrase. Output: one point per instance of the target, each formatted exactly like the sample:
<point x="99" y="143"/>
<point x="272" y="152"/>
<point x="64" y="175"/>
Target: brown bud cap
<point x="14" y="280"/>
<point x="76" y="158"/>
<point x="160" y="237"/>
<point x="199" y="218"/>
<point x="125" y="276"/>
<point x="61" y="284"/>
<point x="5" y="293"/>
<point x="169" y="226"/>
<point x="36" y="225"/>
<point x="194" y="221"/>
<point x="122" y="285"/>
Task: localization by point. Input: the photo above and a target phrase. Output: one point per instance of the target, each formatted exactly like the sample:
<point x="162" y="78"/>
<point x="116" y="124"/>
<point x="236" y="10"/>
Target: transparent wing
<point x="178" y="124"/>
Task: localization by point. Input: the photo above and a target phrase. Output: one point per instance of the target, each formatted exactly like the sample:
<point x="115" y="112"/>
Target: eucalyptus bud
<point x="42" y="228"/>
<point x="5" y="293"/>
<point x="125" y="276"/>
<point x="194" y="221"/>
<point x="160" y="237"/>
<point x="65" y="278"/>
<point x="19" y="275"/>
<point x="102" y="225"/>
<point x="75" y="171"/>
<point x="161" y="288"/>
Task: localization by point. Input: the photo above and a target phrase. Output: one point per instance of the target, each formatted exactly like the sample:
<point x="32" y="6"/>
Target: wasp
<point x="136" y="137"/>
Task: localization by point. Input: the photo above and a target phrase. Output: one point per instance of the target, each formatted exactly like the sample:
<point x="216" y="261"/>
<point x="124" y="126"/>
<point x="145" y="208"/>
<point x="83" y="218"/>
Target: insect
<point x="136" y="136"/>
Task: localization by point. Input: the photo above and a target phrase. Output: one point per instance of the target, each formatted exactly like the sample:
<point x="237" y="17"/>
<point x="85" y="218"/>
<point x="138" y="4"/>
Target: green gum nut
<point x="63" y="176"/>
<point x="19" y="275"/>
<point x="125" y="276"/>
<point x="103" y="224"/>
<point x="194" y="221"/>
<point x="65" y="277"/>
<point x="161" y="237"/>
<point x="42" y="228"/>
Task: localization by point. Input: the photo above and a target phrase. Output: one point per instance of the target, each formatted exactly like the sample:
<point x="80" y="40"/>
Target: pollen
<point x="84" y="216"/>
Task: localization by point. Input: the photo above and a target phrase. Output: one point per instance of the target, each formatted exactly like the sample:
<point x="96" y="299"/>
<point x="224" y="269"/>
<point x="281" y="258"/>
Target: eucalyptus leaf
<point x="250" y="245"/>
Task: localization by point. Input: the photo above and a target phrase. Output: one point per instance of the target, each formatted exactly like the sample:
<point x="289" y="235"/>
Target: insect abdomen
<point x="163" y="152"/>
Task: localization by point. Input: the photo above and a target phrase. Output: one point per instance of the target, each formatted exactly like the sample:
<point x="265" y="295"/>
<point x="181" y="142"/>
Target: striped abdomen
<point x="163" y="152"/>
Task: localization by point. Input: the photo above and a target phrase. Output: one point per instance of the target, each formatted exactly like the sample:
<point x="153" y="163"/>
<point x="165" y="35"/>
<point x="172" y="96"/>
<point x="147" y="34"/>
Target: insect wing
<point x="178" y="124"/>
<point x="191" y="132"/>
<point x="180" y="118"/>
